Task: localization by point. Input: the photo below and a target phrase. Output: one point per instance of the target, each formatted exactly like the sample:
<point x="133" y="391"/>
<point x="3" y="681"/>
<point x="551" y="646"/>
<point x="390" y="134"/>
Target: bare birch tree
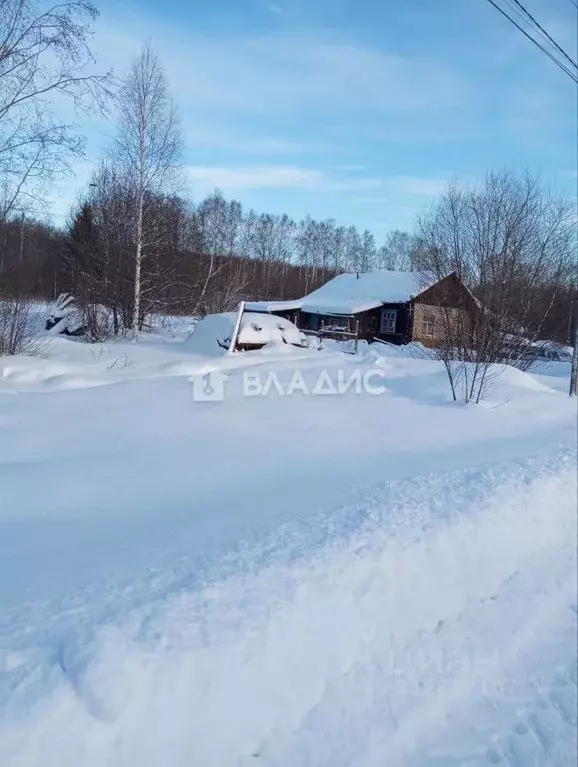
<point x="399" y="252"/>
<point x="148" y="148"/>
<point x="44" y="53"/>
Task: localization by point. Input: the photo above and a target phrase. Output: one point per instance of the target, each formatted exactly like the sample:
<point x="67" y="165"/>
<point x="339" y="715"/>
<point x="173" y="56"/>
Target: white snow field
<point x="356" y="579"/>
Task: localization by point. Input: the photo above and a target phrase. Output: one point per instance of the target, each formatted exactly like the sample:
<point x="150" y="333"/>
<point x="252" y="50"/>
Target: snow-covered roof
<point x="264" y="328"/>
<point x="273" y="306"/>
<point x="352" y="293"/>
<point x="342" y="306"/>
<point x="359" y="292"/>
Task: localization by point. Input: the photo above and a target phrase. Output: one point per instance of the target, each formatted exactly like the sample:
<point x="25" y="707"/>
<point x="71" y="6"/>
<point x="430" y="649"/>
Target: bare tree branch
<point x="43" y="54"/>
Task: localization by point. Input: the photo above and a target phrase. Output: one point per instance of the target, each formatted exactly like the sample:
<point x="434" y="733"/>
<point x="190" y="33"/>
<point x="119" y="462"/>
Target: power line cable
<point x="541" y="28"/>
<point x="543" y="35"/>
<point x="556" y="61"/>
<point x="547" y="47"/>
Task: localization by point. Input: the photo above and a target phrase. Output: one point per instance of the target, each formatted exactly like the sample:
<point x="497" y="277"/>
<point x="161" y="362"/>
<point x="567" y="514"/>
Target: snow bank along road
<point x="286" y="581"/>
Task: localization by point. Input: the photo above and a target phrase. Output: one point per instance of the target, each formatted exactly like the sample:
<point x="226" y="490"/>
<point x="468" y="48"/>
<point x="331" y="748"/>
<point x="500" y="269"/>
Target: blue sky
<point x="360" y="111"/>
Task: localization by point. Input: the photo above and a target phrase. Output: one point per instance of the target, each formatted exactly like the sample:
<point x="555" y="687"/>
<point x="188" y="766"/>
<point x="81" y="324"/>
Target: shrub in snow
<point x="18" y="331"/>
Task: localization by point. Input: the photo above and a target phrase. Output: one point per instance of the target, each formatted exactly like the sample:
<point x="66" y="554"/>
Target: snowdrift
<point x="212" y="335"/>
<point x="424" y="625"/>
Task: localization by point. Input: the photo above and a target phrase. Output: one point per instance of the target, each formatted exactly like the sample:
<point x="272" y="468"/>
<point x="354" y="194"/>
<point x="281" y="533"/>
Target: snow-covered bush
<point x="18" y="332"/>
<point x="91" y="321"/>
<point x="64" y="316"/>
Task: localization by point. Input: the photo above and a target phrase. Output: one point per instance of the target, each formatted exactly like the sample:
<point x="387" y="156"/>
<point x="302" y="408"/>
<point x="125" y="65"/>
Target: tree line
<point x="198" y="258"/>
<point x="205" y="258"/>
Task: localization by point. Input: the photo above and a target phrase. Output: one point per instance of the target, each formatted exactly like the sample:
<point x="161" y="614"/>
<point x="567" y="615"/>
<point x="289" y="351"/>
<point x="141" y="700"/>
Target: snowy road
<point x="434" y="623"/>
<point x="412" y="603"/>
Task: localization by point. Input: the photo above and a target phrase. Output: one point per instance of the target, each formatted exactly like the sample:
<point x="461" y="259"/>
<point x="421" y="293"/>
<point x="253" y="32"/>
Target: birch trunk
<point x="137" y="270"/>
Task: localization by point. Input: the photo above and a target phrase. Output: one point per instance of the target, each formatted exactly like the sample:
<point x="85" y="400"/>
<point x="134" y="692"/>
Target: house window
<point x="428" y="325"/>
<point x="388" y="321"/>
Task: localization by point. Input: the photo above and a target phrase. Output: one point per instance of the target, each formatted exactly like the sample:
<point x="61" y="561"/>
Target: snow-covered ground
<point x="335" y="580"/>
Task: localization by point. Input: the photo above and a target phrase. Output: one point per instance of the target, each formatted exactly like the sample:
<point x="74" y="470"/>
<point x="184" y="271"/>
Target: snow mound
<point x="511" y="376"/>
<point x="31" y="373"/>
<point x="263" y="329"/>
<point x="212" y="335"/>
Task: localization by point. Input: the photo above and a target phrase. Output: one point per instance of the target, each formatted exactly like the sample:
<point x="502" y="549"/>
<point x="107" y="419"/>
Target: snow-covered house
<point x="398" y="307"/>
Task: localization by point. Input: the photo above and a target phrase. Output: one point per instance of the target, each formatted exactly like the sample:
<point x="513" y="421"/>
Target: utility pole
<point x="574" y="368"/>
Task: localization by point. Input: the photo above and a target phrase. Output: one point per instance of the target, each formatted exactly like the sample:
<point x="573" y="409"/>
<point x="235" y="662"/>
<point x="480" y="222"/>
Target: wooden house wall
<point x="448" y="292"/>
<point x="447" y="295"/>
<point x="425" y="333"/>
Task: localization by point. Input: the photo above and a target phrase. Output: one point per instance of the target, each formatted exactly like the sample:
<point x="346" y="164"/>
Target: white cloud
<point x="283" y="74"/>
<point x="259" y="177"/>
<point x="207" y="178"/>
<point x="378" y="203"/>
<point x="216" y="136"/>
